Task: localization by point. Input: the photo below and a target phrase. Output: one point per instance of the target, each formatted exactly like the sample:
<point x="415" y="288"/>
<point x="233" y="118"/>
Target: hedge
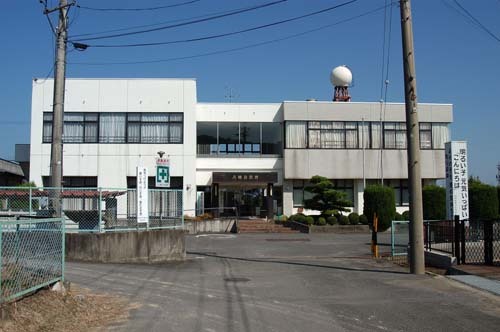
<point x="321" y="221"/>
<point x="434" y="202"/>
<point x="343" y="220"/>
<point x="332" y="220"/>
<point x="483" y="201"/>
<point x="363" y="219"/>
<point x="379" y="200"/>
<point x="353" y="218"/>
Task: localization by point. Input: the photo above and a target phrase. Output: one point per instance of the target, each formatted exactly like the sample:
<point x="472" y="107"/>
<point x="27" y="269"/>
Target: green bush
<point x="343" y="220"/>
<point x="299" y="217"/>
<point x="321" y="221"/>
<point x="363" y="219"/>
<point x="353" y="218"/>
<point x="379" y="200"/>
<point x="434" y="202"/>
<point x="483" y="200"/>
<point x="398" y="216"/>
<point x="332" y="220"/>
<point x="406" y="215"/>
<point x="309" y="220"/>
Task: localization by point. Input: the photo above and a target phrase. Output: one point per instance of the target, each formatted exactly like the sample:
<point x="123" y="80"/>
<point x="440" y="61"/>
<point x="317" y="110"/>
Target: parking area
<point x="272" y="282"/>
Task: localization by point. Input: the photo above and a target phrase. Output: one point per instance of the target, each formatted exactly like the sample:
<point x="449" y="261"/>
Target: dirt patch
<point x="77" y="311"/>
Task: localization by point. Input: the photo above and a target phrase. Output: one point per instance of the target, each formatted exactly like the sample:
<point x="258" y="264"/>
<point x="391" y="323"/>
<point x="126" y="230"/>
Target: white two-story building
<point x="258" y="157"/>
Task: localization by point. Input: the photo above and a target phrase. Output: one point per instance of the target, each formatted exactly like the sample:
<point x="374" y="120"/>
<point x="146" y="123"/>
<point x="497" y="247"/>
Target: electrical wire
<point x="272" y="41"/>
<point x="159" y="23"/>
<point x="268" y="4"/>
<point x="229" y="33"/>
<point x="139" y="9"/>
<point x="479" y="24"/>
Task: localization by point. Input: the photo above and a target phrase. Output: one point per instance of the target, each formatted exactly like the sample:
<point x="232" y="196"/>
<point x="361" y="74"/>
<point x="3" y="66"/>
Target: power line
<point x="185" y="23"/>
<point x="272" y="41"/>
<point x="160" y="23"/>
<point x="139" y="9"/>
<point x="479" y="24"/>
<point x="230" y="33"/>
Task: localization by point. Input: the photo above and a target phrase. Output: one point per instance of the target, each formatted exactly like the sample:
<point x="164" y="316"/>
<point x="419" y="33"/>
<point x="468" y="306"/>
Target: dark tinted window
<point x="271" y="138"/>
<point x="206" y="135"/>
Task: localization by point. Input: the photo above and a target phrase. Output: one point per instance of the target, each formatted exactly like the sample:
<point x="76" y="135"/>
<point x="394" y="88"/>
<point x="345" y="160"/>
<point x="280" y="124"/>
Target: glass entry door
<point x="249" y="200"/>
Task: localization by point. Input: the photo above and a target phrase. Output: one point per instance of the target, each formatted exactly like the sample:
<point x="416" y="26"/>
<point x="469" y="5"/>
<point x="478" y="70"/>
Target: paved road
<point x="301" y="282"/>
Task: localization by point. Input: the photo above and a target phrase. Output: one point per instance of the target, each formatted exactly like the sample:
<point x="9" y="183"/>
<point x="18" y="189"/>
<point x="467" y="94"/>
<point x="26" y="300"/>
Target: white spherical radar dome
<point x="341" y="76"/>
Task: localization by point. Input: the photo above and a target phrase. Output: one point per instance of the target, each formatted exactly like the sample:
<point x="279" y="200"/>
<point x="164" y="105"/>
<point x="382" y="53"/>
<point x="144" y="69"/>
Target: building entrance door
<point x="250" y="201"/>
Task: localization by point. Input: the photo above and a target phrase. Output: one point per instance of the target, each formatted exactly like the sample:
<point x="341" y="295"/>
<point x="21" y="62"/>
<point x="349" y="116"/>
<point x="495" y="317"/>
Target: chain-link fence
<point x="95" y="209"/>
<point x="400" y="238"/>
<point x="31" y="255"/>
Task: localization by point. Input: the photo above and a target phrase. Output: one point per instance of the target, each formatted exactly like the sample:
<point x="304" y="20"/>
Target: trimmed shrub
<point x="332" y="220"/>
<point x="321" y="221"/>
<point x="398" y="216"/>
<point x="379" y="200"/>
<point x="309" y="220"/>
<point x="434" y="202"/>
<point x="363" y="219"/>
<point x="406" y="215"/>
<point x="343" y="220"/>
<point x="353" y="218"/>
<point x="299" y="217"/>
<point x="483" y="201"/>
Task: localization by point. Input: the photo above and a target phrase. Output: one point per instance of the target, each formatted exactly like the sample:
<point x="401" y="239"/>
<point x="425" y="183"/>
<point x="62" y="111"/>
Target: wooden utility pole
<point x="56" y="153"/>
<point x="417" y="262"/>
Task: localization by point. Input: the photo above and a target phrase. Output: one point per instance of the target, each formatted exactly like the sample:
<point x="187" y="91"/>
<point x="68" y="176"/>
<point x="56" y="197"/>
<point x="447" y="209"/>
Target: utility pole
<point x="56" y="153"/>
<point x="417" y="262"/>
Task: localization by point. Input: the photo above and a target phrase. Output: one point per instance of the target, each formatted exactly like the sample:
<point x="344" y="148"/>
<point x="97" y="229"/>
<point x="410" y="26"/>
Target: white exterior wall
<point x="112" y="163"/>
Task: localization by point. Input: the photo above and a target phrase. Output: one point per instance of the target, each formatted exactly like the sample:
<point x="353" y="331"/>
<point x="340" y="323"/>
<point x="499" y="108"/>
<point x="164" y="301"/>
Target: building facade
<point x="258" y="157"/>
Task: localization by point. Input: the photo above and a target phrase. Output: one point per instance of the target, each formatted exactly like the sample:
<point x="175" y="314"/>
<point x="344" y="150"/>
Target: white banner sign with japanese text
<point x="457" y="186"/>
<point x="142" y="195"/>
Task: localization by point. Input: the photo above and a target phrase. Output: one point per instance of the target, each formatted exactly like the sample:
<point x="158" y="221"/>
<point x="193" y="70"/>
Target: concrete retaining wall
<point x="210" y="226"/>
<point x="152" y="246"/>
<point x="441" y="260"/>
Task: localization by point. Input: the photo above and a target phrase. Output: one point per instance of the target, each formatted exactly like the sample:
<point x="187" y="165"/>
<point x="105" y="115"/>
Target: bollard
<point x="374" y="236"/>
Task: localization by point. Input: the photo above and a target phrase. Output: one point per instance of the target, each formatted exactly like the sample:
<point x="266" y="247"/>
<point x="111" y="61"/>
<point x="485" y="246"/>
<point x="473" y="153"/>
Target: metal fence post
<point x="392" y="238"/>
<point x="488" y="242"/>
<point x="31" y="204"/>
<point x="63" y="248"/>
<point x="100" y="209"/>
<point x="182" y="209"/>
<point x="456" y="229"/>
<point x="1" y="261"/>
<point x="462" y="241"/>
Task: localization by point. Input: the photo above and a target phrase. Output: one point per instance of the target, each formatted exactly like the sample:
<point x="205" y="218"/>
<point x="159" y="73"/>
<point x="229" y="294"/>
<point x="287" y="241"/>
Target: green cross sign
<point x="162" y="176"/>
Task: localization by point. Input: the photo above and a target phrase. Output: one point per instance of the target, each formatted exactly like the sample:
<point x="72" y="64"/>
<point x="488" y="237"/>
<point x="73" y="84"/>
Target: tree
<point x="379" y="200"/>
<point x="325" y="198"/>
<point x="483" y="200"/>
<point x="434" y="202"/>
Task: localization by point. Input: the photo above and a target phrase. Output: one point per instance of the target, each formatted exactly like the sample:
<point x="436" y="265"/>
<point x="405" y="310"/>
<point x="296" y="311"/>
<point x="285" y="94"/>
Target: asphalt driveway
<point x="274" y="282"/>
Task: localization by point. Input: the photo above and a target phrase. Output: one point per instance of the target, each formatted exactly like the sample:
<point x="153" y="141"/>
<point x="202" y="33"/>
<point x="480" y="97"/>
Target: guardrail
<point x="31" y="255"/>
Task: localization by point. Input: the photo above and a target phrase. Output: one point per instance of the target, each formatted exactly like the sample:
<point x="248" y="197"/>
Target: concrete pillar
<point x="288" y="197"/>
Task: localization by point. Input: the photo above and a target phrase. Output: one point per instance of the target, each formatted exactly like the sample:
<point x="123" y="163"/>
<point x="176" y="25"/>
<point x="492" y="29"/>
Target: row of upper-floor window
<point x="358" y="135"/>
<point x="117" y="127"/>
<point x="234" y="138"/>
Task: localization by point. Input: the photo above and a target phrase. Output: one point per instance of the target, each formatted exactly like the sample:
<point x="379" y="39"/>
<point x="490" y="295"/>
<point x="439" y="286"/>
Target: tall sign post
<point x="142" y="195"/>
<point x="457" y="185"/>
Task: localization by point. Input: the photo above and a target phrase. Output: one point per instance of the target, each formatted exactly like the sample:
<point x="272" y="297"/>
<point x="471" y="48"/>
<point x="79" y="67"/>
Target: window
<point x="206" y="136"/>
<point x="394" y="135"/>
<point x="47" y="127"/>
<point x="74" y="181"/>
<point x="229" y="142"/>
<point x="80" y="127"/>
<point x="440" y="135"/>
<point x="250" y="137"/>
<point x="117" y="128"/>
<point x="112" y="128"/>
<point x="299" y="192"/>
<point x="296" y="134"/>
<point x="425" y="135"/>
<point x="271" y="138"/>
<point x="176" y="182"/>
<point x="345" y="186"/>
<point x="401" y="193"/>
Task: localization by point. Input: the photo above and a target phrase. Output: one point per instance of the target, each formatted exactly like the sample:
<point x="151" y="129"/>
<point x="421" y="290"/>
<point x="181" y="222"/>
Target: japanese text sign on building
<point x="142" y="195"/>
<point x="457" y="186"/>
<point x="162" y="172"/>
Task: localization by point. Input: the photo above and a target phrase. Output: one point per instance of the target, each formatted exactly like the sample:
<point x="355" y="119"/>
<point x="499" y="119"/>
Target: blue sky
<point x="456" y="62"/>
